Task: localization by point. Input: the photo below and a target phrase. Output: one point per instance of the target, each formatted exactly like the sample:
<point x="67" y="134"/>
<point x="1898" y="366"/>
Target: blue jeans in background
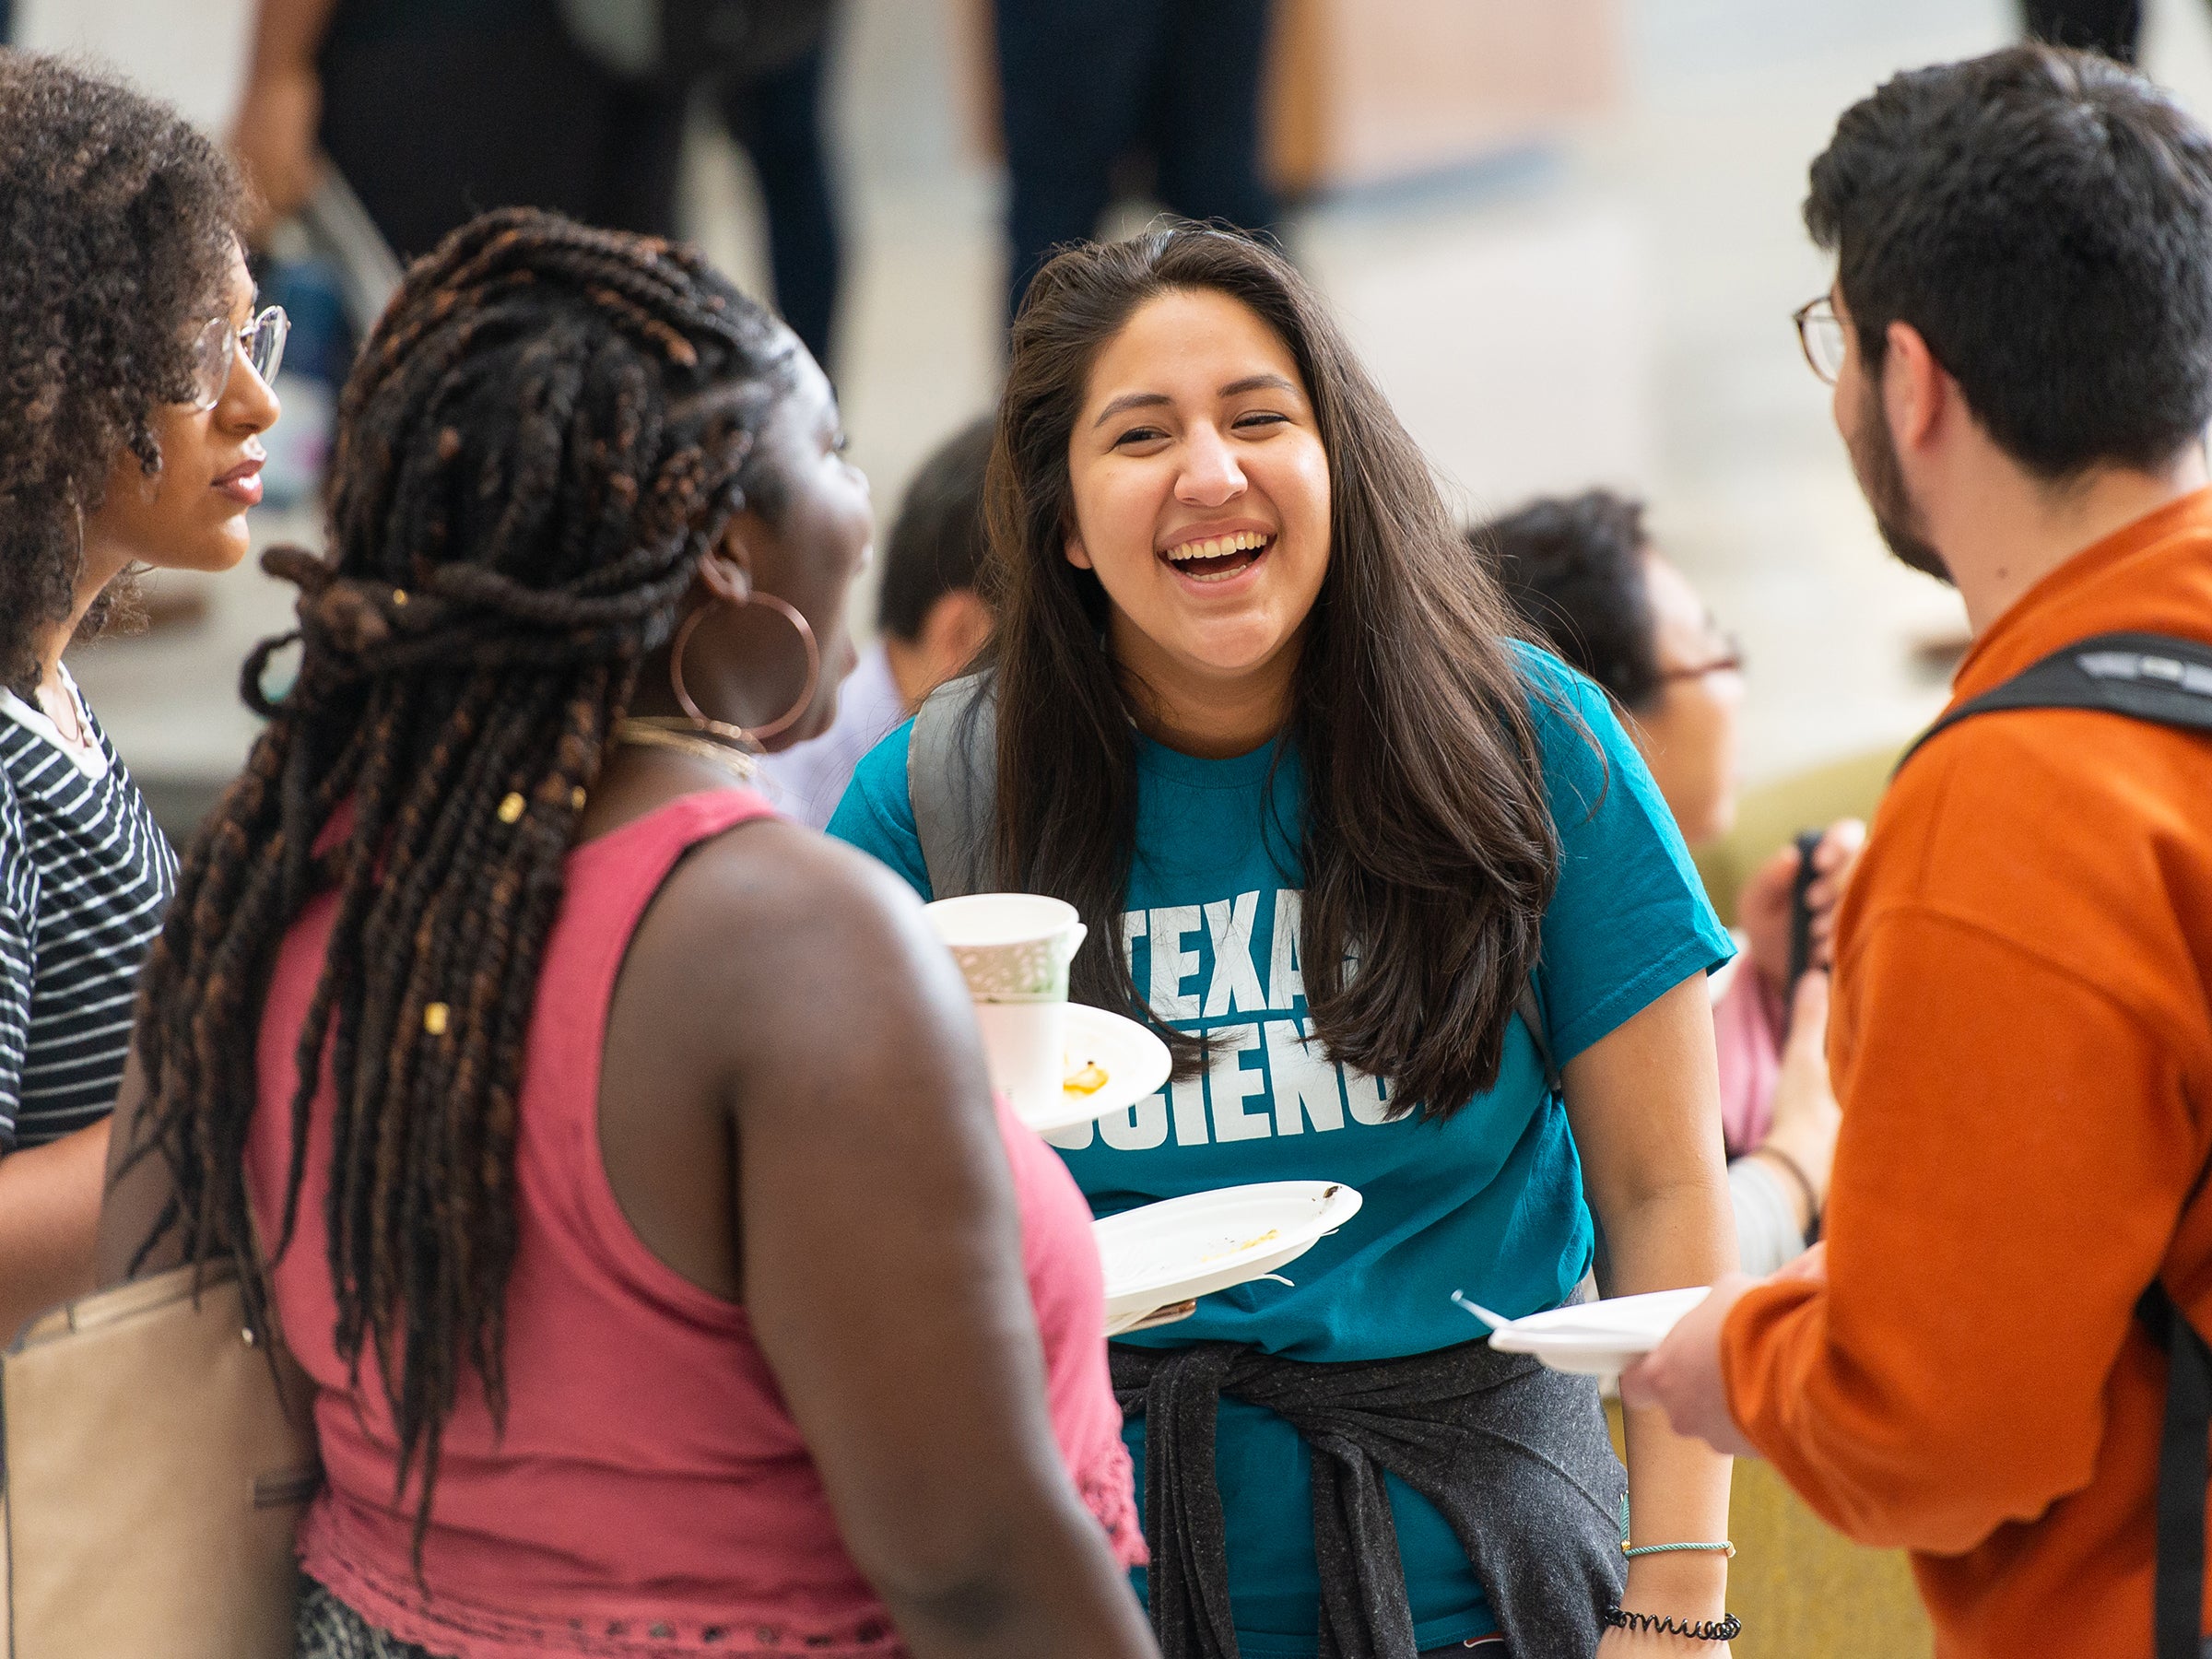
<point x="1084" y="84"/>
<point x="777" y="118"/>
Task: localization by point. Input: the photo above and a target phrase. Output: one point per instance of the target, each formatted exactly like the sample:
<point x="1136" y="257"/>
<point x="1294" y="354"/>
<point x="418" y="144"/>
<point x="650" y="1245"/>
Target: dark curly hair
<point x="117" y="222"/>
<point x="549" y="429"/>
<point x="1573" y="569"/>
<point x="2044" y="219"/>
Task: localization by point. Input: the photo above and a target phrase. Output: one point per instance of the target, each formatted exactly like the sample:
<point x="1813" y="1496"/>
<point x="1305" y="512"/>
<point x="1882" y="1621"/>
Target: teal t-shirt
<point x="1489" y="1201"/>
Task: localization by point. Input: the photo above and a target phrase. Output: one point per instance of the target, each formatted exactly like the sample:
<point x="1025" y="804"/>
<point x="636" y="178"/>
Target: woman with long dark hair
<point x="1254" y="712"/>
<point x="136" y="367"/>
<point x="623" y="1158"/>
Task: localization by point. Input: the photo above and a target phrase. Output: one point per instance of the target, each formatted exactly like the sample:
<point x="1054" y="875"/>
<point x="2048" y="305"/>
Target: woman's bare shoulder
<point x="778" y="938"/>
<point x="770" y="878"/>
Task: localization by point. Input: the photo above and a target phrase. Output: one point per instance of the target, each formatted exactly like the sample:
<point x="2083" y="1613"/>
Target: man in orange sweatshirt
<point x="2021" y="349"/>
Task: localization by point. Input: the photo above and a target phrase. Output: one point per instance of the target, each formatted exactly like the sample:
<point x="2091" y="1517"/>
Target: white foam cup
<point x="1014" y="950"/>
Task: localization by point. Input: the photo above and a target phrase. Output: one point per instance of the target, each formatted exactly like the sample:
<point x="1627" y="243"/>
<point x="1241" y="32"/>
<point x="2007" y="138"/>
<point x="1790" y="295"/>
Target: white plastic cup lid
<point x="985" y="919"/>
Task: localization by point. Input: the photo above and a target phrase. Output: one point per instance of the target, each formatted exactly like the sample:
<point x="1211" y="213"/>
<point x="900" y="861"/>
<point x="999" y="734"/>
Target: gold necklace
<point x="653" y="731"/>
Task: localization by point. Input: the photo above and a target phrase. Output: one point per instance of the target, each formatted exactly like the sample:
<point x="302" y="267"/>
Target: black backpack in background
<point x="2168" y="682"/>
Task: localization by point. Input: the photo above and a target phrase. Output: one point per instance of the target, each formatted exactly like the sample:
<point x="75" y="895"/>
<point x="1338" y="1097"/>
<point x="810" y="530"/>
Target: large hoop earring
<point x="752" y="736"/>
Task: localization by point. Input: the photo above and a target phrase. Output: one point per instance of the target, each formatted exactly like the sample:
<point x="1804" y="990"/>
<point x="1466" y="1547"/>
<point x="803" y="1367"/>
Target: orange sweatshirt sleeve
<point x="2001" y="1198"/>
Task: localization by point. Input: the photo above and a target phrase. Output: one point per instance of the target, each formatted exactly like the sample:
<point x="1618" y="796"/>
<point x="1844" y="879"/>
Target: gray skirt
<point x="328" y="1629"/>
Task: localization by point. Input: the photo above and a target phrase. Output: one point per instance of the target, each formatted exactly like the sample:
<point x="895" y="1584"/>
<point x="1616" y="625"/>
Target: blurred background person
<point x="773" y="108"/>
<point x="930" y="619"/>
<point x="427" y="111"/>
<point x="2112" y="27"/>
<point x="137" y="369"/>
<point x="1087" y="87"/>
<point x="578" y="1199"/>
<point x="434" y="112"/>
<point x="1585" y="578"/>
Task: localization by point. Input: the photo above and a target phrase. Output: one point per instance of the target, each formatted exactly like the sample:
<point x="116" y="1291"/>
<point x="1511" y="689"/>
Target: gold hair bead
<point x="399" y="596"/>
<point x="576" y="797"/>
<point x="434" y="1017"/>
<point x="511" y="809"/>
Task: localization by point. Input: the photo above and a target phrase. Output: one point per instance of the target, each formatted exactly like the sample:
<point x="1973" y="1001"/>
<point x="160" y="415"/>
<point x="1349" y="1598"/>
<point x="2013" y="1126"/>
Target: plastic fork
<point x="1497" y="1322"/>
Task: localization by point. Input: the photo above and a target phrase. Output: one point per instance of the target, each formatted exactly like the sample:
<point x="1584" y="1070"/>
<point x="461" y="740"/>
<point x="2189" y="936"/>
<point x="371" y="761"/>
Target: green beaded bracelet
<point x="1723" y="1548"/>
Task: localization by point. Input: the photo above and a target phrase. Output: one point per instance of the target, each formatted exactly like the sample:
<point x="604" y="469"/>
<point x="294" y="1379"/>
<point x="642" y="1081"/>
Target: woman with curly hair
<point x="626" y="1161"/>
<point x="135" y="375"/>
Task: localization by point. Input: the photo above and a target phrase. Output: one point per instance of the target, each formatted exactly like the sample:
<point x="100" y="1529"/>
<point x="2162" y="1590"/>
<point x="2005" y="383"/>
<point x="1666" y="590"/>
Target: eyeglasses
<point x="1820" y="335"/>
<point x="218" y="348"/>
<point x="1730" y="661"/>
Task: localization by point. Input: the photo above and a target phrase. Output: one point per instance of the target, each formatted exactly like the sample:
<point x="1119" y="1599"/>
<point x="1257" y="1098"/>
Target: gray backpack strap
<point x="952" y="783"/>
<point x="1532" y="1015"/>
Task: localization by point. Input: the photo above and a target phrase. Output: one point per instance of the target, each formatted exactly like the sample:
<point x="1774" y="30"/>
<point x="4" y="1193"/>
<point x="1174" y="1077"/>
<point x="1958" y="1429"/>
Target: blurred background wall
<point x="1565" y="235"/>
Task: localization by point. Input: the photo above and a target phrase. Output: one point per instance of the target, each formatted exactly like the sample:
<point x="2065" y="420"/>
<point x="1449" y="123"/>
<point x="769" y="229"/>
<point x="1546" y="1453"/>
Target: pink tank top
<point x="650" y="1494"/>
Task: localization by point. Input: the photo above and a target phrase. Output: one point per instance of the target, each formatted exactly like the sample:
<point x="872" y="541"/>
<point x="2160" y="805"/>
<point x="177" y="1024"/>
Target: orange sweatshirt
<point x="2022" y="1044"/>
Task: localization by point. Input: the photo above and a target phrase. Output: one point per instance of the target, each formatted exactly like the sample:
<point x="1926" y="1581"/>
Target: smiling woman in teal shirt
<point x="1240" y="647"/>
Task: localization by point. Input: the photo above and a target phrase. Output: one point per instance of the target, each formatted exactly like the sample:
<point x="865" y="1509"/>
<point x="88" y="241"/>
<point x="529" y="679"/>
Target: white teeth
<point x="1220" y="546"/>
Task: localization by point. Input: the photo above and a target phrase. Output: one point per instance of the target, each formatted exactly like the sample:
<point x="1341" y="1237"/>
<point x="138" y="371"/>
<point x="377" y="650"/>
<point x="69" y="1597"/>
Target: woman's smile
<point x="1210" y="555"/>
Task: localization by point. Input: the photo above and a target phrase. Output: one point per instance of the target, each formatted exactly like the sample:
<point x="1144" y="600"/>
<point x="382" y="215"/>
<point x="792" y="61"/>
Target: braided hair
<point x="548" y="430"/>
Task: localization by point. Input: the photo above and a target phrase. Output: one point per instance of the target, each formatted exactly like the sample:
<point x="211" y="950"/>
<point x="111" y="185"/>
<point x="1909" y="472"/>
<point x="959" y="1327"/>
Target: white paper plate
<point x="1187" y="1247"/>
<point x="1598" y="1338"/>
<point x="1134" y="1061"/>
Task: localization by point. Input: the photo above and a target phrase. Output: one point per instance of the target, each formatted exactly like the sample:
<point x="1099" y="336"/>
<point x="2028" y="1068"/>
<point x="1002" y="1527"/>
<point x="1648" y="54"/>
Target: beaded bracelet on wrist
<point x="1724" y="1628"/>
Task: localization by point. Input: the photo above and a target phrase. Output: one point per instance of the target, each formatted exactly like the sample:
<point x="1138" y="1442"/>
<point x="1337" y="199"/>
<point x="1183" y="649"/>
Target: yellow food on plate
<point x="1268" y="1237"/>
<point x="1088" y="1079"/>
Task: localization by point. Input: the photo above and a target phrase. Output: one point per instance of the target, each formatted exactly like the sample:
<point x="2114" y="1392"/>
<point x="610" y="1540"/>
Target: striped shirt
<point x="85" y="877"/>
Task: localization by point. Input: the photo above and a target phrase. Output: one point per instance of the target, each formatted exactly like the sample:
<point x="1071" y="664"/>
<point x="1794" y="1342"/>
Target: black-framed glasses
<point x="1820" y="336"/>
<point x="1729" y="661"/>
<point x="219" y="345"/>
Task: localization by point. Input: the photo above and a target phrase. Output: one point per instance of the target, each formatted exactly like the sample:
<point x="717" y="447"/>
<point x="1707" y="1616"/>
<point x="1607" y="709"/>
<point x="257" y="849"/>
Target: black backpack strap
<point x="2144" y="677"/>
<point x="952" y="783"/>
<point x="2184" y="1472"/>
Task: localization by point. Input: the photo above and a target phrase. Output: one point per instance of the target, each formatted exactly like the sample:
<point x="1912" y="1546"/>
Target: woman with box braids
<point x="580" y="484"/>
<point x="475" y="635"/>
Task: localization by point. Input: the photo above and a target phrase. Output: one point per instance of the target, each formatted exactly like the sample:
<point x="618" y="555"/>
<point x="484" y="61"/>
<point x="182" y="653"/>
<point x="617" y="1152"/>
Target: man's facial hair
<point x="1873" y="450"/>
